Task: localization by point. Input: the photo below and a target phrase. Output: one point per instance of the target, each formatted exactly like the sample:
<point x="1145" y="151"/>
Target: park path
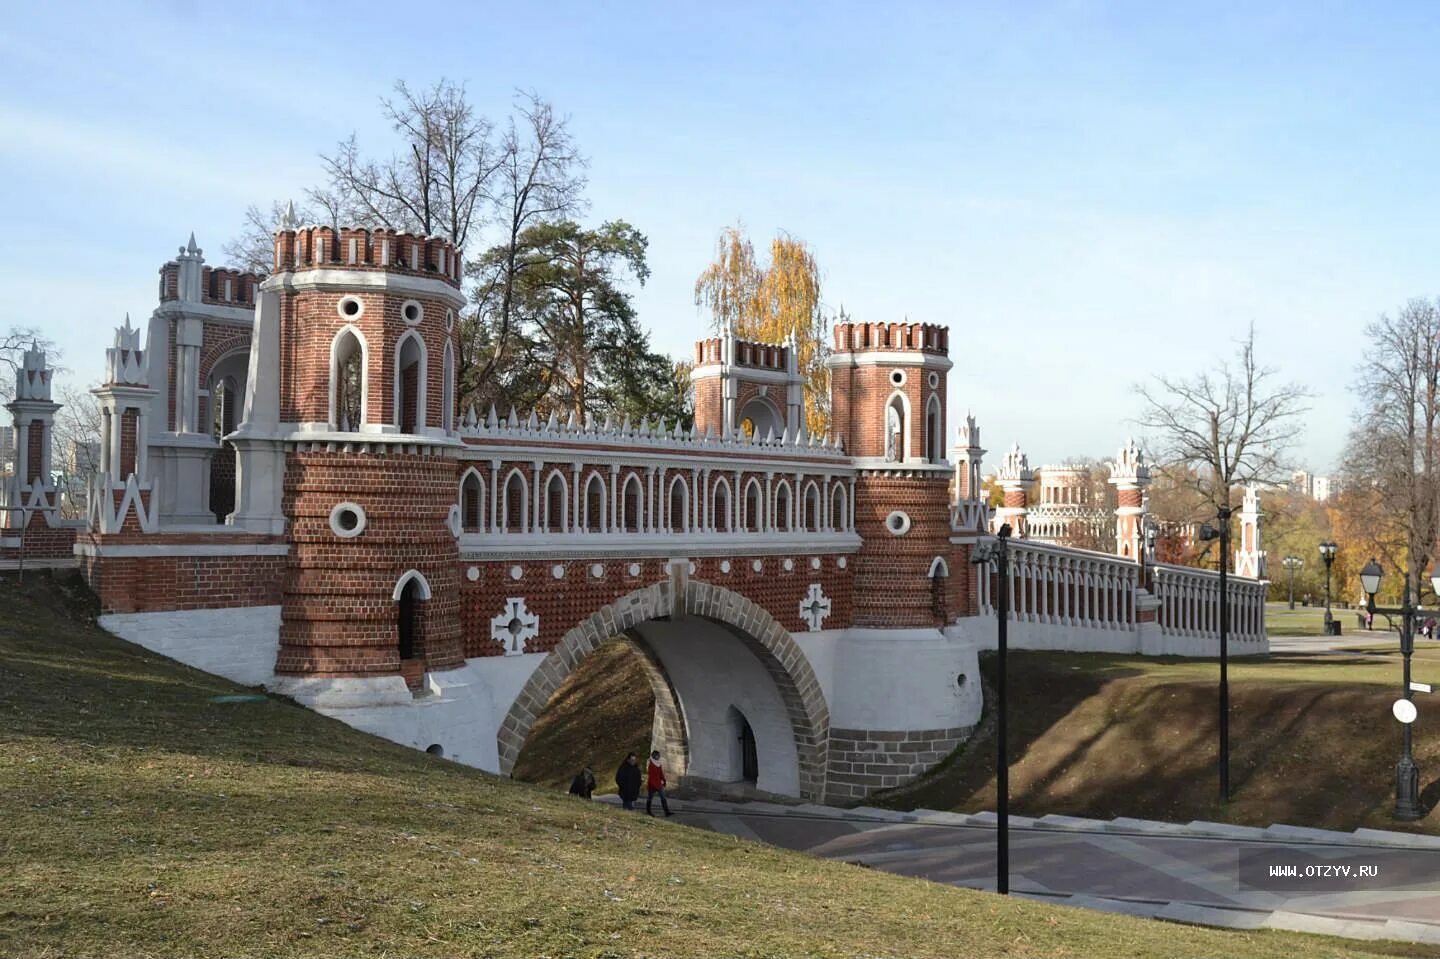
<point x="1185" y="873"/>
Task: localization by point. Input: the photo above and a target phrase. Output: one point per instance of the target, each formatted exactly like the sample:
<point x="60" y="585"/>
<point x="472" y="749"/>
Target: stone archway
<point x="771" y="643"/>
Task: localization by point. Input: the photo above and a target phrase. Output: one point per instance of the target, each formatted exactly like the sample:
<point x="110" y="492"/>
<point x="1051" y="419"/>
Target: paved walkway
<point x="1204" y="873"/>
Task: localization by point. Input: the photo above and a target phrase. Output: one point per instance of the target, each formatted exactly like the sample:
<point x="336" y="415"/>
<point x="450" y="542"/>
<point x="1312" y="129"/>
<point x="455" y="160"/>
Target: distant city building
<point x="1320" y="488"/>
<point x="7" y="450"/>
<point x="82" y="457"/>
<point x="1302" y="482"/>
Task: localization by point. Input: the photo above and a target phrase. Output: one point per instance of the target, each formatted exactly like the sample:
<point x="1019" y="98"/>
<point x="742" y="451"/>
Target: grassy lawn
<point x="1281" y="620"/>
<point x="144" y="818"/>
<point x="1312" y="740"/>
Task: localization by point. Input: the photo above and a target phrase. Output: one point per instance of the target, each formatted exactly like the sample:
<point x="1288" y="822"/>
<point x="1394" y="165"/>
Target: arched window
<point x="811" y="517"/>
<point x="410" y="591"/>
<point x="720" y="506"/>
<point x="447" y="410"/>
<point x="837" y="508"/>
<point x="781" y="520"/>
<point x="934" y="431"/>
<point x="595" y="504"/>
<point x="472" y="502"/>
<point x="516" y="504"/>
<point x="752" y="512"/>
<point x="349" y="380"/>
<point x="410" y="383"/>
<point x="556" y="496"/>
<point x="897" y="428"/>
<point x="679" y="511"/>
<point x="630" y="503"/>
<point x="759" y="419"/>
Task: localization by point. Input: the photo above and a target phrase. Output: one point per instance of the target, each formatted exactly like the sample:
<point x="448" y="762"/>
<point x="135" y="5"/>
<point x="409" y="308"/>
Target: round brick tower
<point x="887" y="383"/>
<point x="367" y="346"/>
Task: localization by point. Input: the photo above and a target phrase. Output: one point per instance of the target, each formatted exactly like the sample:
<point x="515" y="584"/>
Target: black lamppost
<point x="1327" y="553"/>
<point x="1407" y="774"/>
<point x="1208" y="532"/>
<point x="1291" y="564"/>
<point x="998" y="552"/>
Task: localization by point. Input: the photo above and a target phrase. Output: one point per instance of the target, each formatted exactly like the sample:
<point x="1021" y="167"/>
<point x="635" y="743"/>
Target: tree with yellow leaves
<point x="772" y="303"/>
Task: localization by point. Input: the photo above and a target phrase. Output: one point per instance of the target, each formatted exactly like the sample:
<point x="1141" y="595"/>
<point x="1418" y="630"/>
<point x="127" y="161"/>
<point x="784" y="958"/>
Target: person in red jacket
<point x="655" y="785"/>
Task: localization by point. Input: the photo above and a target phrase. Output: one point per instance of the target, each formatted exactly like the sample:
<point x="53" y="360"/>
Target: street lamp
<point x="1327" y="553"/>
<point x="1291" y="564"/>
<point x="1208" y="532"/>
<point x="1407" y="774"/>
<point x="998" y="553"/>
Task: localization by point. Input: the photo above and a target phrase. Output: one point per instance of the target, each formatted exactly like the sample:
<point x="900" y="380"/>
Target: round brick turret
<point x="888" y="398"/>
<point x="368" y="345"/>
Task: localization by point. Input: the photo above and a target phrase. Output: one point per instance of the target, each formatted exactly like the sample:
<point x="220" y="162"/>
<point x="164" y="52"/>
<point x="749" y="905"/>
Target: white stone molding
<point x="412" y="312"/>
<point x="514" y="626"/>
<point x="337" y="515"/>
<point x="815" y="608"/>
<point x="898" y="522"/>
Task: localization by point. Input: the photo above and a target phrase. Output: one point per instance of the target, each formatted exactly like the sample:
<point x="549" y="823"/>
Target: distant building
<point x="82" y="457"/>
<point x="7" y="450"/>
<point x="1302" y="482"/>
<point x="1320" y="488"/>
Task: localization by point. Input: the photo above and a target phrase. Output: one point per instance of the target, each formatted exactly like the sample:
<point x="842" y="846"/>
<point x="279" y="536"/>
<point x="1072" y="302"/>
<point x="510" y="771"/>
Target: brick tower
<point x="887" y="388"/>
<point x="349" y="417"/>
<point x="746" y="384"/>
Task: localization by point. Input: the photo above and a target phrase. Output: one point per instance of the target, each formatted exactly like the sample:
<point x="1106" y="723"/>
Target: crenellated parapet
<point x="861" y="337"/>
<point x="750" y="354"/>
<point x="303" y="249"/>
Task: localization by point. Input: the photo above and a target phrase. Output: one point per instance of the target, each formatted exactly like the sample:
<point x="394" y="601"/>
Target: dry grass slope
<point x="142" y="818"/>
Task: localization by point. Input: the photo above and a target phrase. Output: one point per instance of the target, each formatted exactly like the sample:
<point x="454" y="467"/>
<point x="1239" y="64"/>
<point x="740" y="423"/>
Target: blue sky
<point x="1085" y="193"/>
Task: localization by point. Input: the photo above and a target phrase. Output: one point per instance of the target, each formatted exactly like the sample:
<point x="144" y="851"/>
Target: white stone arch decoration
<point x="899" y="403"/>
<point x="421" y="374"/>
<point x="799" y="689"/>
<point x="521" y="490"/>
<point x="722" y="515"/>
<point x="763" y="416"/>
<point x="781" y="510"/>
<point x="677" y="515"/>
<point x="548" y="522"/>
<point x="632" y="514"/>
<point x="938" y="567"/>
<point x="421" y="583"/>
<point x="343" y="336"/>
<point x="447" y="389"/>
<point x="934" y="429"/>
<point x="839" y="509"/>
<point x="594" y="509"/>
<point x="811" y="518"/>
<point x="752" y="500"/>
<point x="472" y="495"/>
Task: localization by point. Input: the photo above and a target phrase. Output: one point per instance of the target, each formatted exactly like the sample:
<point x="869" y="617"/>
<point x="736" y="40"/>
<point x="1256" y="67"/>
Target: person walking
<point x="583" y="785"/>
<point x="655" y="785"/>
<point x="627" y="778"/>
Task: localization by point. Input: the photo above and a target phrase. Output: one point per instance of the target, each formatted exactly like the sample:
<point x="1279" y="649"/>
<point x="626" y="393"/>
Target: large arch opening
<point x="709" y="658"/>
<point x="759" y="418"/>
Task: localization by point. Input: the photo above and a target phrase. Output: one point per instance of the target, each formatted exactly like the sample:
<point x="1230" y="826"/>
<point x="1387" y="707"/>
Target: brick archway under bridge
<point x="675" y="602"/>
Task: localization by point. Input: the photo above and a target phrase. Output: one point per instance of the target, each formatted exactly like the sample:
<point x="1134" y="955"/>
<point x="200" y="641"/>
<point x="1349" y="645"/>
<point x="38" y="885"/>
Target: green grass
<point x="141" y="818"/>
<point x="1281" y="620"/>
<point x="1313" y="742"/>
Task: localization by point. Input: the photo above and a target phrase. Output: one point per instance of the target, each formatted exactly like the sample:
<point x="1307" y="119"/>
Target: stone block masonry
<point x="863" y="761"/>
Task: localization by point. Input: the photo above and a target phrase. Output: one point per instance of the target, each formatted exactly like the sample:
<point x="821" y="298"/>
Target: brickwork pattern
<point x="37" y="439"/>
<point x="562" y="602"/>
<point x="863" y="761"/>
<point x="892" y="584"/>
<point x="129" y="433"/>
<point x="799" y="689"/>
<point x="339" y="616"/>
<point x="149" y="584"/>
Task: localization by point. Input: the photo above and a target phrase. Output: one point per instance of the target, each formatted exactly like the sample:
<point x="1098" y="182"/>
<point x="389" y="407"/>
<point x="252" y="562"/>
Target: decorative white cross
<point x="815" y="607"/>
<point x="515" y="626"/>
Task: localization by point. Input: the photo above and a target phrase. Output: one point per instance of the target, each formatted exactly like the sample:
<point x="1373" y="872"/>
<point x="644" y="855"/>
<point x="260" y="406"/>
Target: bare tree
<point x="1225" y="427"/>
<point x="253" y="248"/>
<point x="1391" y="453"/>
<point x="76" y="452"/>
<point x="539" y="180"/>
<point x="13" y="344"/>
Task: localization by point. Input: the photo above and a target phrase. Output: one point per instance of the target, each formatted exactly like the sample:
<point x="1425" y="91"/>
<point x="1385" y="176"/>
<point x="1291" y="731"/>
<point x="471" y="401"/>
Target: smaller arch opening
<point x="753" y="513"/>
<point x="782" y="508"/>
<point x="472" y="499"/>
<point x="720" y="507"/>
<point x="811" y="510"/>
<point x="679" y="506"/>
<point x="630" y="504"/>
<point x="837" y="509"/>
<point x="556" y="497"/>
<point x="435" y="749"/>
<point x="516" y="504"/>
<point x="595" y="504"/>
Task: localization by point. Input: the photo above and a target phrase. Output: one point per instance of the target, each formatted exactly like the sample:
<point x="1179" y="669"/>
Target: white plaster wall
<point x="239" y="643"/>
<point x="904" y="679"/>
<point x="711" y="671"/>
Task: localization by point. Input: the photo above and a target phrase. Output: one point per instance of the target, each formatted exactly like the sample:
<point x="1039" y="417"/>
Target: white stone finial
<point x="191" y="247"/>
<point x="1016" y="465"/>
<point x="288" y="219"/>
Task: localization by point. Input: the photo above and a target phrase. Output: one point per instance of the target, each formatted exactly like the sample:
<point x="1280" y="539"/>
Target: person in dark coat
<point x="583" y="784"/>
<point x="627" y="777"/>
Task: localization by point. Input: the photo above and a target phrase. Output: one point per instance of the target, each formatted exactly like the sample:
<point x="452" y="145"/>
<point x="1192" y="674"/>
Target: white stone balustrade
<point x="1059" y="586"/>
<point x="1190" y="604"/>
